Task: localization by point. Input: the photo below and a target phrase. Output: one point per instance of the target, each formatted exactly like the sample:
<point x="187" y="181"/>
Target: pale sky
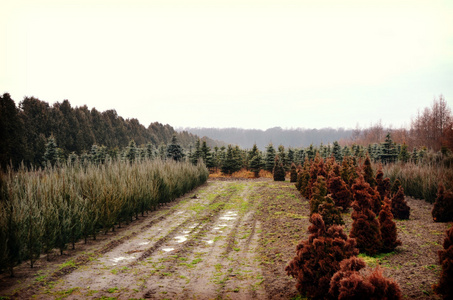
<point x="250" y="64"/>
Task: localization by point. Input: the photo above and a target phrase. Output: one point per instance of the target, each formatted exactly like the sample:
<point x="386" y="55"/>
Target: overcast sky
<point x="249" y="64"/>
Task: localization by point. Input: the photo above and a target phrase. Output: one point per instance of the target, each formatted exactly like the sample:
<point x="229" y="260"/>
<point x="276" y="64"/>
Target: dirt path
<point x="224" y="240"/>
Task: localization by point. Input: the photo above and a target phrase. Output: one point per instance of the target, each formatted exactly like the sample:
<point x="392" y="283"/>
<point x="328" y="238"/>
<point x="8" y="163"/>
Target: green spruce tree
<point x="270" y="158"/>
<point x="174" y="150"/>
<point x="51" y="153"/>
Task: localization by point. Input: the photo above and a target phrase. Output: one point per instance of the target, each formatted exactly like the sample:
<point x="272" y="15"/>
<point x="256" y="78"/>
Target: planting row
<point x="45" y="209"/>
<point x="325" y="264"/>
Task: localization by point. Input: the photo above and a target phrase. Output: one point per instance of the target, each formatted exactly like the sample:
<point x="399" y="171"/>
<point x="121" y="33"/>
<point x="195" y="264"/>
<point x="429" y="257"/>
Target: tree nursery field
<point x="227" y="239"/>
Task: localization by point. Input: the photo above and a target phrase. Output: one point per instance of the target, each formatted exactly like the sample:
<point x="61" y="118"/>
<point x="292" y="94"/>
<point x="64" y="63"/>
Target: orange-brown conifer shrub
<point x="396" y="185"/>
<point x="388" y="228"/>
<point x="382" y="184"/>
<point x="368" y="172"/>
<point x="318" y="194"/>
<point x="348" y="283"/>
<point x="443" y="207"/>
<point x="365" y="227"/>
<point x="319" y="257"/>
<point x="400" y="209"/>
<point x="339" y="191"/>
<point x="330" y="213"/>
<point x="348" y="171"/>
<point x="293" y="174"/>
<point x="445" y="285"/>
<point x="314" y="169"/>
<point x="376" y="203"/>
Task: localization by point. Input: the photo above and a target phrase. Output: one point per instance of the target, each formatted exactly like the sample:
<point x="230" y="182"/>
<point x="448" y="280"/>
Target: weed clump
<point x="443" y="207"/>
<point x="445" y="285"/>
<point x="400" y="209"/>
<point x="319" y="257"/>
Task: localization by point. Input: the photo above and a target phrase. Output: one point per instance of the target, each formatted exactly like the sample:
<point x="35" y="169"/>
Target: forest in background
<point x="246" y="138"/>
<point x="26" y="128"/>
<point x="431" y="128"/>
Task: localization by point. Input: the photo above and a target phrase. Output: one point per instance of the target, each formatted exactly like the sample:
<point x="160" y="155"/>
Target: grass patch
<point x="112" y="290"/>
<point x="69" y="263"/>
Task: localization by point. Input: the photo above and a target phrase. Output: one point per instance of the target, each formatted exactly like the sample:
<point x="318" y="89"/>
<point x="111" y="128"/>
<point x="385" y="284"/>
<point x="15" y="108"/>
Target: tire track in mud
<point x="103" y="247"/>
<point x="202" y="247"/>
<point x="85" y="270"/>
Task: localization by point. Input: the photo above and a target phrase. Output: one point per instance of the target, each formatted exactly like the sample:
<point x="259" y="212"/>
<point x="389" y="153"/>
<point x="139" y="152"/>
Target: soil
<point x="228" y="239"/>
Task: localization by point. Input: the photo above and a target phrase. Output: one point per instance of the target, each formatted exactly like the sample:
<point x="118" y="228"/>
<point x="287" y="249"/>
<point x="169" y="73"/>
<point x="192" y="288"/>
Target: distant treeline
<point x="432" y="128"/>
<point x="246" y="138"/>
<point x="25" y="130"/>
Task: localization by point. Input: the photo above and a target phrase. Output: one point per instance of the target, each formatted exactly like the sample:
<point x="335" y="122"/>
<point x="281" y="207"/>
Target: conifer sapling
<point x="443" y="207"/>
<point x="388" y="228"/>
<point x="400" y="209"/>
<point x="445" y="285"/>
<point x="319" y="257"/>
<point x="365" y="227"/>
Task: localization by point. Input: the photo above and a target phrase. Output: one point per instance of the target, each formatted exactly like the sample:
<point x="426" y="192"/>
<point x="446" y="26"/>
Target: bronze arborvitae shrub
<point x="279" y="171"/>
<point x="365" y="227"/>
<point x="388" y="228"/>
<point x="330" y="213"/>
<point x="318" y="194"/>
<point x="319" y="257"/>
<point x="348" y="283"/>
<point x="443" y="207"/>
<point x="376" y="203"/>
<point x="339" y="191"/>
<point x="368" y="172"/>
<point x="382" y="184"/>
<point x="400" y="209"/>
<point x="395" y="187"/>
<point x="293" y="174"/>
<point x="445" y="285"/>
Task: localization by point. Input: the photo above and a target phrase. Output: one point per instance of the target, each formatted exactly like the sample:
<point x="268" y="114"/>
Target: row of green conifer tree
<point x="51" y="208"/>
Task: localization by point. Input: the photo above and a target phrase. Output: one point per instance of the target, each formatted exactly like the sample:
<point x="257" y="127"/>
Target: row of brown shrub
<point x="326" y="267"/>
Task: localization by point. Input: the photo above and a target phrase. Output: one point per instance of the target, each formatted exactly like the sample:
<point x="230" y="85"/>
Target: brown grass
<point x="243" y="173"/>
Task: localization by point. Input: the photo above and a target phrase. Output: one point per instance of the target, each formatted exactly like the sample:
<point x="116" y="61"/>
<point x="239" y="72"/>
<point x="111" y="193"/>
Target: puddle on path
<point x="229" y="215"/>
<point x="120" y="258"/>
<point x="181" y="238"/>
<point x="168" y="249"/>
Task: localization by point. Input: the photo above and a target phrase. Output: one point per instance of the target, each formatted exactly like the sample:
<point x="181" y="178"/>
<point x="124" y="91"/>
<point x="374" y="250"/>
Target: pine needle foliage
<point x="318" y="258"/>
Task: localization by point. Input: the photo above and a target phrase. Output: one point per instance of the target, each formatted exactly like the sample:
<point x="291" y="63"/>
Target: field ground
<point x="228" y="239"/>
